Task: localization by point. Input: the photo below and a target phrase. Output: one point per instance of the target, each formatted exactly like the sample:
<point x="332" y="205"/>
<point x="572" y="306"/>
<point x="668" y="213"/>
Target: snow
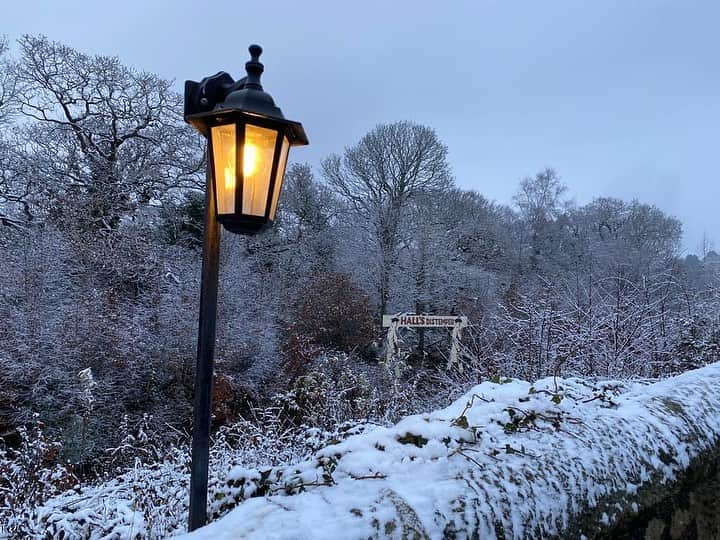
<point x="146" y="502"/>
<point x="507" y="456"/>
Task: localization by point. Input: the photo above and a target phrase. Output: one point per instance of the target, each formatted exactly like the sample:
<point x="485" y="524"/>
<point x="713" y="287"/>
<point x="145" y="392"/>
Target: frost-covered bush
<point x="698" y="342"/>
<point x="241" y="476"/>
<point x="334" y="389"/>
<point x="29" y="475"/>
<point x="148" y="500"/>
<point x="140" y="443"/>
<point x="337" y="387"/>
<point x="144" y="493"/>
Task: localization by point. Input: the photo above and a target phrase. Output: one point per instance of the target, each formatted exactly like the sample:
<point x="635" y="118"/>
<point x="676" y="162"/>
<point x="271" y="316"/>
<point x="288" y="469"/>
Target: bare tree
<point x="17" y="186"/>
<point x="7" y="82"/>
<point x="10" y="194"/>
<point x="379" y="177"/>
<point x="540" y="201"/>
<point x="112" y="137"/>
<point x="306" y="203"/>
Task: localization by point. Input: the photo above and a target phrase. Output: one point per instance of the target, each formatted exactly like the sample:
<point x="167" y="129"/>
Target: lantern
<point x="248" y="144"/>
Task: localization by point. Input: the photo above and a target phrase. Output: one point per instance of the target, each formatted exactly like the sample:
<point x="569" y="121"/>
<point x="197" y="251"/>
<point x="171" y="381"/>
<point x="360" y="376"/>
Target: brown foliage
<point x="333" y="312"/>
<point x="299" y="355"/>
<point x="230" y="400"/>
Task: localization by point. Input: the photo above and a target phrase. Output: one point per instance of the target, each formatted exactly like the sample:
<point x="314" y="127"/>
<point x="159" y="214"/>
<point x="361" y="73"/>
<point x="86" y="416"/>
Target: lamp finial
<point x="254" y="68"/>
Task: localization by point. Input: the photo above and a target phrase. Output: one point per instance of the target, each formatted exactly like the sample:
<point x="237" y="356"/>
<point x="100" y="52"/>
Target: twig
<point x="376" y="476"/>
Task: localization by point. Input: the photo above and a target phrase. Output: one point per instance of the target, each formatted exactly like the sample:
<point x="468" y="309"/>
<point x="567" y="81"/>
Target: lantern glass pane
<point x="279" y="177"/>
<point x="223" y="147"/>
<point x="258" y="153"/>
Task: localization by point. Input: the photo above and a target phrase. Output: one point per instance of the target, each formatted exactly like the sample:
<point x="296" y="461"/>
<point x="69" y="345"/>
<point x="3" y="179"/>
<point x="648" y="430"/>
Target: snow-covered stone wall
<point x="556" y="459"/>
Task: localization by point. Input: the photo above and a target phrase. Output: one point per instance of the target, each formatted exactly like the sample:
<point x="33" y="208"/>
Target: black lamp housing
<point x="248" y="144"/>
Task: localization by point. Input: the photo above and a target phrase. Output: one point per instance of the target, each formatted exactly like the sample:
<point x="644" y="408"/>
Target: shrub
<point x="29" y="475"/>
<point x="333" y="312"/>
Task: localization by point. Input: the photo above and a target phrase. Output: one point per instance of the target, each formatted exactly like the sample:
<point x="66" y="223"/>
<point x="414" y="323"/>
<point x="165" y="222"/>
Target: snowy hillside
<point x="507" y="457"/>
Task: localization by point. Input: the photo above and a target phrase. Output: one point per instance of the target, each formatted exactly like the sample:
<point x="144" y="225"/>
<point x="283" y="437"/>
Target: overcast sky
<point x="621" y="97"/>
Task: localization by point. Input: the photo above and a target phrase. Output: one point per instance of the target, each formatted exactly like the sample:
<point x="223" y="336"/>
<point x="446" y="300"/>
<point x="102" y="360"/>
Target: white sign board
<point x="411" y="320"/>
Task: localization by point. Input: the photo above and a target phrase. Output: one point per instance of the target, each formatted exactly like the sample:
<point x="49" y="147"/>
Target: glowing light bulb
<point x="229" y="170"/>
<point x="229" y="179"/>
<point x="250" y="159"/>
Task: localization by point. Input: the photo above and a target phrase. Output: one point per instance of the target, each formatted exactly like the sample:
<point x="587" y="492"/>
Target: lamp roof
<point x="219" y="95"/>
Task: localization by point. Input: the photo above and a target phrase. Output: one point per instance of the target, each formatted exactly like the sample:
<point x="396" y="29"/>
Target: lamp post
<point x="247" y="151"/>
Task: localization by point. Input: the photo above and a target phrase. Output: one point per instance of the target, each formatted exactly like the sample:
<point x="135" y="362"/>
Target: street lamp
<point x="248" y="143"/>
<point x="247" y="150"/>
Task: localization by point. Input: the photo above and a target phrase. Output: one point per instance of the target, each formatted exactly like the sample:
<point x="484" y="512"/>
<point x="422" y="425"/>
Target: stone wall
<point x="684" y="510"/>
<point x="555" y="459"/>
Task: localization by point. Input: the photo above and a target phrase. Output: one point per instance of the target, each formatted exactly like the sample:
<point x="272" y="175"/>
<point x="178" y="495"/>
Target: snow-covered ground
<point x="509" y="456"/>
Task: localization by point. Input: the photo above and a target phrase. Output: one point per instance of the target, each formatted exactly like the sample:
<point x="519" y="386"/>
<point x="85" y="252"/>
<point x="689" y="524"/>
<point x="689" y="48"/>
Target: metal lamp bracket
<point x="204" y="96"/>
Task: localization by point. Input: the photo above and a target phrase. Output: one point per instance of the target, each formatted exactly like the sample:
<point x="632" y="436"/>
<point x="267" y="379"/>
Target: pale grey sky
<point x="621" y="97"/>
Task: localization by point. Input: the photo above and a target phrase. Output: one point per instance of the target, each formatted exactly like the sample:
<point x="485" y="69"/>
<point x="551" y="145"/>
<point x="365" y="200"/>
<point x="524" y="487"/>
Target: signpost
<point x="411" y="320"/>
<point x="414" y="320"/>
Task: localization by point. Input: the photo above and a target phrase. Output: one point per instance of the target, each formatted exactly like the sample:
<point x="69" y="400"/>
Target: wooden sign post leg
<point x="421" y="331"/>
